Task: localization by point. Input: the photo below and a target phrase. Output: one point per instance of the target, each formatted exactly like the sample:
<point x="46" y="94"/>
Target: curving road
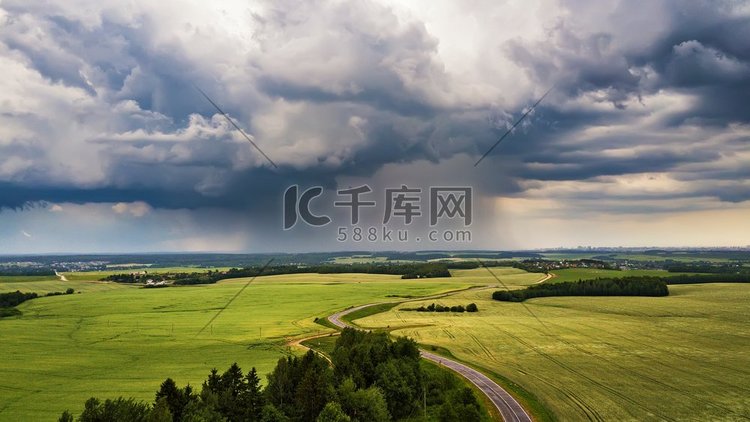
<point x="508" y="407"/>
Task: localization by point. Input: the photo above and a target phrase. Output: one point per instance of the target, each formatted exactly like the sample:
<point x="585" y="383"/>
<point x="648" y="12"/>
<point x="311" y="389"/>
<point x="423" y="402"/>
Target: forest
<point x="628" y="286"/>
<point x="371" y="378"/>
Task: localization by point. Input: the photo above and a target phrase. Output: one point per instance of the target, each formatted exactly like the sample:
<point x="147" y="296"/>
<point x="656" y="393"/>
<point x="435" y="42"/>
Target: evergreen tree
<point x="160" y="412"/>
<point x="252" y="397"/>
<point x="65" y="417"/>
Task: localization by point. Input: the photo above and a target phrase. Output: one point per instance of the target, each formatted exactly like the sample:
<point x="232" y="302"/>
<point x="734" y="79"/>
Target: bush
<point x="440" y="308"/>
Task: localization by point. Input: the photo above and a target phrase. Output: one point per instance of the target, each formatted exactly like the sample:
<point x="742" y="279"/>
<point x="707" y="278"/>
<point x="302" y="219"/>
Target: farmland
<point x="114" y="340"/>
<point x="610" y="358"/>
<point x="43" y="285"/>
<point x="613" y="358"/>
<point x="575" y="274"/>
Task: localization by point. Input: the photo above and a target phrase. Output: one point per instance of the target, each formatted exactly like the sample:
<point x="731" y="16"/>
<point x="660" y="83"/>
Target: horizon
<point x="580" y="248"/>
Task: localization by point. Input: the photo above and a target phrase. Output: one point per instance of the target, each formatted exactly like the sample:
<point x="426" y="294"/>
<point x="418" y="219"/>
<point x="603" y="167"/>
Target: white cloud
<point x="136" y="209"/>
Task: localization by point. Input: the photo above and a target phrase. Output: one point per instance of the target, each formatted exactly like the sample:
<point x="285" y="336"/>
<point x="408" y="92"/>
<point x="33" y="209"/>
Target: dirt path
<point x="298" y="343"/>
<point x="61" y="275"/>
<point x="546" y="277"/>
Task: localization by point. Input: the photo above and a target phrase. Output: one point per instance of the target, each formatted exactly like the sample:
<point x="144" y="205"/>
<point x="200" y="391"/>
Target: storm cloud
<point x="648" y="113"/>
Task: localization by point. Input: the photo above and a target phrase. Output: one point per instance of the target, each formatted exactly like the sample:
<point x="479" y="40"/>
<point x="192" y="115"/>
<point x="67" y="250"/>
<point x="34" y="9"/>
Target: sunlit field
<point x="116" y="340"/>
<point x="681" y="357"/>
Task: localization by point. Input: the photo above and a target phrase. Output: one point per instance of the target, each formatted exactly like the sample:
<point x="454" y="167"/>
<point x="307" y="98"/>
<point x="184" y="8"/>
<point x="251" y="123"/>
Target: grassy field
<point x="510" y="277"/>
<point x="25" y="278"/>
<point x="681" y="357"/>
<point x="116" y="340"/>
<point x="575" y="274"/>
<point x="46" y="284"/>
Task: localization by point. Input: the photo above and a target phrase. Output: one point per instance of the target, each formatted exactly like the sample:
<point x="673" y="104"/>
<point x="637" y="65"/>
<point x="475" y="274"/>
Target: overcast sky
<point x="107" y="146"/>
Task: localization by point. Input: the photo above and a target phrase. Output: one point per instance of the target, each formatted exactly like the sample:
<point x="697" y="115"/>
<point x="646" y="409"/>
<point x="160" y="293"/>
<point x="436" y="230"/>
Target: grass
<point x="681" y="357"/>
<point x="510" y="277"/>
<point x="44" y="284"/>
<point x="114" y="340"/>
<point x="575" y="274"/>
<point x="370" y="310"/>
<point x="25" y="278"/>
<point x="324" y="345"/>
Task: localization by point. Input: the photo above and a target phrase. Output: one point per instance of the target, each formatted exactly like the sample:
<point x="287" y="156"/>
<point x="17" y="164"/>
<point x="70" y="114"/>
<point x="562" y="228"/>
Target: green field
<point x="681" y="357"/>
<point x="499" y="276"/>
<point x="25" y="278"/>
<point x="46" y="284"/>
<point x="116" y="340"/>
<point x="575" y="274"/>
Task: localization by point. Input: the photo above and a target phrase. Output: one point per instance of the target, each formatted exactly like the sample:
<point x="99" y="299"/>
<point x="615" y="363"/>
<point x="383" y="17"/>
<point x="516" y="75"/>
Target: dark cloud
<point x="343" y="90"/>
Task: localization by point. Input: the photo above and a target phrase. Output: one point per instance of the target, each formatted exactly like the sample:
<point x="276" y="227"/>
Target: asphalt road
<point x="508" y="407"/>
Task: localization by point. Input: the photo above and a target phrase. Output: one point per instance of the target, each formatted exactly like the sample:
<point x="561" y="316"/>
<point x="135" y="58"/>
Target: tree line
<point x="17" y="271"/>
<point x="627" y="286"/>
<point x="373" y="379"/>
<point x="406" y="271"/>
<point x="472" y="307"/>
<point x="9" y="301"/>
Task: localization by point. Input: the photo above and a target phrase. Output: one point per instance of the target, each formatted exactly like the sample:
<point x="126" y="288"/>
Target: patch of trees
<point x="405" y="270"/>
<point x="19" y="271"/>
<point x="131" y="277"/>
<point x="373" y="379"/>
<point x="472" y="307"/>
<point x="8" y="301"/>
<point x="627" y="286"/>
<point x="68" y="291"/>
